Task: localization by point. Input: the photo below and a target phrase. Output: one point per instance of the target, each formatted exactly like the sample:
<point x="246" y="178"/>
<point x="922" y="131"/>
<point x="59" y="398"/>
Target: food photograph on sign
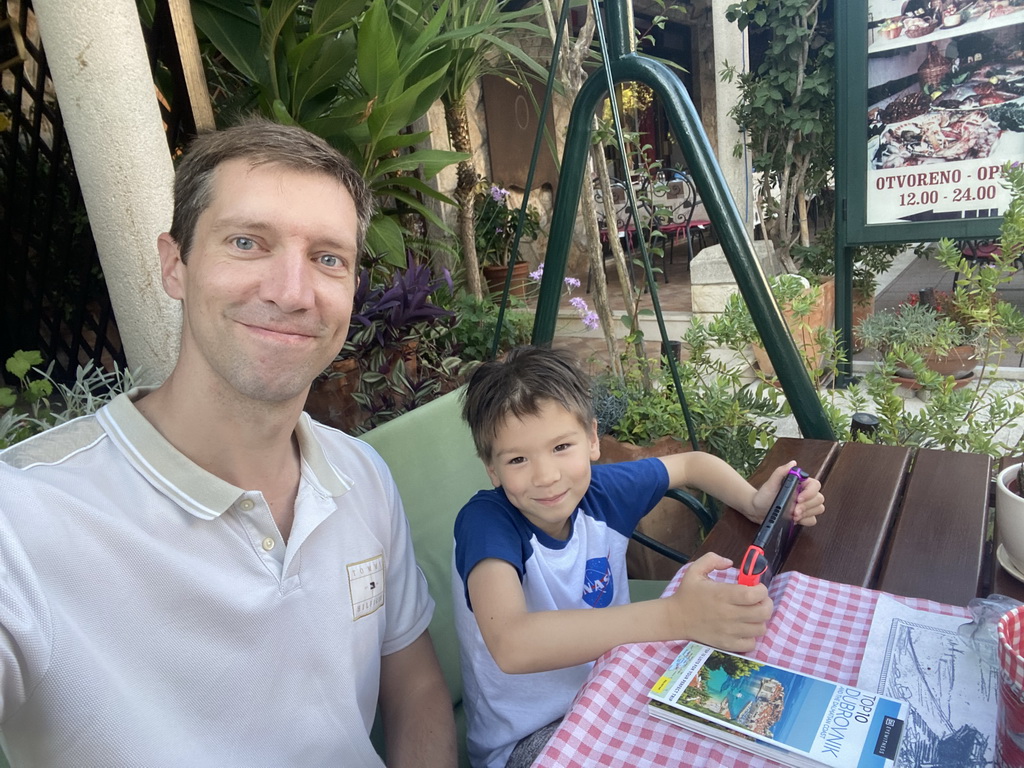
<point x="945" y="107"/>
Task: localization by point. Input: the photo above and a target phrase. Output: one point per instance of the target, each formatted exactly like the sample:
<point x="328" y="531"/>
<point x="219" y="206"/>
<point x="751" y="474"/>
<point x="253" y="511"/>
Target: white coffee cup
<point x="1010" y="518"/>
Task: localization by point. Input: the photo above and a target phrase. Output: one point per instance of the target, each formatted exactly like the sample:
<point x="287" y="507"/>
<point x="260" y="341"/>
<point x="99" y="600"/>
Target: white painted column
<point x="101" y="73"/>
<point x="731" y="47"/>
<point x="712" y="281"/>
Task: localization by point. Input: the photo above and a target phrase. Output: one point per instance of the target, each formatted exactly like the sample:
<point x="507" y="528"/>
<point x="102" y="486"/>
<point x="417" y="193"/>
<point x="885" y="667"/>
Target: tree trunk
<point x="621" y="265"/>
<point x="801" y="207"/>
<point x="572" y="74"/>
<point x="457" y="120"/>
<point x="596" y="266"/>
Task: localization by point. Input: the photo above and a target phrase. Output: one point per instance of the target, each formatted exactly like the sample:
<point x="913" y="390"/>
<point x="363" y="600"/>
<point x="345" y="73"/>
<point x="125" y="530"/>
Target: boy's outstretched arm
<point x="727" y="616"/>
<point x="713" y="476"/>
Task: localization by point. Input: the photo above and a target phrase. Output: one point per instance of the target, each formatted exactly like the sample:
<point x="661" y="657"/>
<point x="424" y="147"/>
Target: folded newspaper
<point x="777" y="713"/>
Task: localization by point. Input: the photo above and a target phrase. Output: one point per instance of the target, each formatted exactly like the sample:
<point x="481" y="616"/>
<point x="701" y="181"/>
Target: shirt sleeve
<point x="621" y="494"/>
<point x="489" y="527"/>
<point x="409" y="604"/>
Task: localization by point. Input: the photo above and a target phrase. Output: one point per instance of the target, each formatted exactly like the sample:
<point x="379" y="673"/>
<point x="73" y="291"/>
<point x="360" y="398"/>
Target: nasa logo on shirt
<point x="598" y="587"/>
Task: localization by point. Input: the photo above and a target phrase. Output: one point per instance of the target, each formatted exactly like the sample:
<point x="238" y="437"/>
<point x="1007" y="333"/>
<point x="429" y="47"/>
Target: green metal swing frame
<point x="624" y="64"/>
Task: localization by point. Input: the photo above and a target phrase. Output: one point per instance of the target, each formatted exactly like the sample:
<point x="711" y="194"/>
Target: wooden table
<point x="913" y="523"/>
<point x="908" y="521"/>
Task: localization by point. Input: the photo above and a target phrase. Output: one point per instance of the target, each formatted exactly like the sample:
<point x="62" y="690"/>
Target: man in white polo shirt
<point x="200" y="575"/>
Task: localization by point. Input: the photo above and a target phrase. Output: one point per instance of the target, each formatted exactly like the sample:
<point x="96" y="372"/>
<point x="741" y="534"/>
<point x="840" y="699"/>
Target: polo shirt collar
<point x="199" y="492"/>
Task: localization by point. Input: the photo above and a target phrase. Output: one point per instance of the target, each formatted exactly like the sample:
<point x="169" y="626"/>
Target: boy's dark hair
<point x="519" y="386"/>
<point x="259" y="142"/>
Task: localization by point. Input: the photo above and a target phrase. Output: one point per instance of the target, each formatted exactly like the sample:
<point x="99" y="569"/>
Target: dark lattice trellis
<point x="52" y="294"/>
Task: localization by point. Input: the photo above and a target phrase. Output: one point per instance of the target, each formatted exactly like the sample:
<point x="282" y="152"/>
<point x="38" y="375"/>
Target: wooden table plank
<point x="937" y="548"/>
<point x="733" y="533"/>
<point x="862" y="491"/>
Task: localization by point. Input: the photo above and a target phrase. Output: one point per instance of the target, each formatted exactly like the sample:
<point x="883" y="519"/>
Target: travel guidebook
<point x="783" y="715"/>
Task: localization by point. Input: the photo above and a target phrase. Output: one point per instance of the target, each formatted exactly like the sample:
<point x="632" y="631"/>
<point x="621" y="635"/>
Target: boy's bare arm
<point x="727" y="616"/>
<point x="713" y="476"/>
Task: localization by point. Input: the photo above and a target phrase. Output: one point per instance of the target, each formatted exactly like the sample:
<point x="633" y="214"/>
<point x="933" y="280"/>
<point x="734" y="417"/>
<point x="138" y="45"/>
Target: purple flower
<point x="498" y="194"/>
<point x="591" y="320"/>
<point x="538" y="273"/>
<point x="572" y="282"/>
<point x="579" y="304"/>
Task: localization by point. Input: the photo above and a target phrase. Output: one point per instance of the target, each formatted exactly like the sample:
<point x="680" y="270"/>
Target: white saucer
<point x="1008" y="564"/>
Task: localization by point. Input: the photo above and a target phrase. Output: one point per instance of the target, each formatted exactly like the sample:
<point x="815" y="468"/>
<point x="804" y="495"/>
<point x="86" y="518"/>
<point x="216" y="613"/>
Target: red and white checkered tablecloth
<point x="818" y="627"/>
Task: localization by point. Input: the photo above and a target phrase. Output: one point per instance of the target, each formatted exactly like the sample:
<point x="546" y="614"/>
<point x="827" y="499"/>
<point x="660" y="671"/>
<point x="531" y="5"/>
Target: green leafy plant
<point x="980" y="416"/>
<point x="869" y="261"/>
<point x="478" y="37"/>
<point x="29" y="392"/>
<point x="356" y="73"/>
<point x="786" y="108"/>
<point x="732" y="414"/>
<point x="476" y="321"/>
<point x="917" y="327"/>
<point x="497" y="224"/>
<point x="800" y="300"/>
<point x="37" y="402"/>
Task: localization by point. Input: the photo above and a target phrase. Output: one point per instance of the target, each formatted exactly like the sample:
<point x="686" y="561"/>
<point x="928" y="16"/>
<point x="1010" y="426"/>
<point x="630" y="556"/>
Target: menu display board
<point x="945" y="107"/>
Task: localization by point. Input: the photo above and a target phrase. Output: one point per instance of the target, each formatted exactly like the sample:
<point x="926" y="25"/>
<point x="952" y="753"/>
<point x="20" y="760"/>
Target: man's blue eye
<point x="330" y="260"/>
<point x="244" y="244"/>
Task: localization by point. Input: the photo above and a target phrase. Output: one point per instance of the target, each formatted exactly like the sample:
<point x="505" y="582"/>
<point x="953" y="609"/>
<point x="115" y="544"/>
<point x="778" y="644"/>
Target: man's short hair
<point x="261" y="142"/>
<point x="519" y="386"/>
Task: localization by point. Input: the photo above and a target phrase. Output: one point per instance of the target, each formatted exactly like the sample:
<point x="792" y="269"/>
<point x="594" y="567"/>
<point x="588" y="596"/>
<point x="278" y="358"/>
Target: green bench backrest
<point x="431" y="455"/>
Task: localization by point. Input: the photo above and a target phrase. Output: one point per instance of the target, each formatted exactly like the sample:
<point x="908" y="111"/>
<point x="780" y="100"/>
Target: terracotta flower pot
<point x="863" y="307"/>
<point x="494" y="276"/>
<point x="330" y="398"/>
<point x="805" y="331"/>
<point x="959" y="363"/>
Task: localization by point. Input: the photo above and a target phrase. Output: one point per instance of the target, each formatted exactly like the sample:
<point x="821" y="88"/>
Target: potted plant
<point x="397" y="353"/>
<point x="932" y="329"/>
<point x="808" y="310"/>
<point x="496" y="224"/>
<point x="817" y="262"/>
<point x="476" y="321"/>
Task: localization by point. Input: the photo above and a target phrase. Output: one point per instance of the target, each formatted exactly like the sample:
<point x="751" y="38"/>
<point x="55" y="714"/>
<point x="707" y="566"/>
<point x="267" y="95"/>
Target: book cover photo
<point x="778" y="713"/>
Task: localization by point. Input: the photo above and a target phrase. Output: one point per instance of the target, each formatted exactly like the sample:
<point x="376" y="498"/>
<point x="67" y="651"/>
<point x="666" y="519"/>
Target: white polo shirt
<point x="152" y="615"/>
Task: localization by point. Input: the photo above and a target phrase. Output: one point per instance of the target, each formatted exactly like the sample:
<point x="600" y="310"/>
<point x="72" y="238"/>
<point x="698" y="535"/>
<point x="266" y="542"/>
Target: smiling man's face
<point x="267" y="288"/>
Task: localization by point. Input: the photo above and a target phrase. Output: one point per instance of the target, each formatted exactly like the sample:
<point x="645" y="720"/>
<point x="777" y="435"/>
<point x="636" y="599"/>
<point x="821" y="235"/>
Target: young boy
<point x="534" y="555"/>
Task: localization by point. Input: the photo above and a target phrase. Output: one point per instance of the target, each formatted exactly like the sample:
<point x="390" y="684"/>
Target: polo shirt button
<point x="246" y="505"/>
<point x="268" y="543"/>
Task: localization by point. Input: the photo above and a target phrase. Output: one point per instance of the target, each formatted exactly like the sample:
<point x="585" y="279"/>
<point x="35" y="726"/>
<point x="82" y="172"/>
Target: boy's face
<point x="543" y="463"/>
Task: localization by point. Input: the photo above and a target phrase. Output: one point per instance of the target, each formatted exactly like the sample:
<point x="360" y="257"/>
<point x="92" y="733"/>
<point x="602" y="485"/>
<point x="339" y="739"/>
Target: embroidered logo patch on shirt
<point x="598" y="588"/>
<point x="366" y="586"/>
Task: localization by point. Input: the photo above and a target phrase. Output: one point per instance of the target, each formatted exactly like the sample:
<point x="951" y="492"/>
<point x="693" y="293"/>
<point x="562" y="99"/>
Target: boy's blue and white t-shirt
<point x="586" y="570"/>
